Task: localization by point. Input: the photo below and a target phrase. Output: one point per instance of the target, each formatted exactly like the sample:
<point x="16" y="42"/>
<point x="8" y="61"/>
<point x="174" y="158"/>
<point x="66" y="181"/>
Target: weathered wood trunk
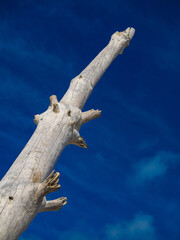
<point x="25" y="185"/>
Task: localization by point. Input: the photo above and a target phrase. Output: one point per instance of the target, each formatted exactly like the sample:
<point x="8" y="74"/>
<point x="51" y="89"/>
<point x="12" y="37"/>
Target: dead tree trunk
<point x="28" y="181"/>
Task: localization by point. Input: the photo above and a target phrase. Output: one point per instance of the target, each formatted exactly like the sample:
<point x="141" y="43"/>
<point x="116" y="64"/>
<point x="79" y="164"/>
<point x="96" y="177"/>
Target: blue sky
<point x="125" y="186"/>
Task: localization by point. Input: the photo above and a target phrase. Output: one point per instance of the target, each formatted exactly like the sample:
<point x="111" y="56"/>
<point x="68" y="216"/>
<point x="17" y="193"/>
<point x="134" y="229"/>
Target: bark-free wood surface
<point x="30" y="178"/>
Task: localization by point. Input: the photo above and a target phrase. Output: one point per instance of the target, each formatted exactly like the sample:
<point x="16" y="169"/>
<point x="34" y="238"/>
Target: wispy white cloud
<point x="150" y="168"/>
<point x="139" y="228"/>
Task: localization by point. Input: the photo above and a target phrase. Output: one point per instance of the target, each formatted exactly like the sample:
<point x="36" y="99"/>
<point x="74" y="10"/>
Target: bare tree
<point x="28" y="181"/>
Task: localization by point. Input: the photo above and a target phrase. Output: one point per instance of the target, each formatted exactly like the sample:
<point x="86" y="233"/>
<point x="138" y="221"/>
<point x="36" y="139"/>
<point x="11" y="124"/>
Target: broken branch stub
<point x="50" y="184"/>
<point x="80" y="143"/>
<point x="36" y="119"/>
<point x="53" y="205"/>
<point x="90" y="115"/>
<point x="53" y="100"/>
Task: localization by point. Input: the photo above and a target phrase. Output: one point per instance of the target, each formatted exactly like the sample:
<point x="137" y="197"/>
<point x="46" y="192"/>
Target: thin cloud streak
<point x="149" y="169"/>
<point x="139" y="228"/>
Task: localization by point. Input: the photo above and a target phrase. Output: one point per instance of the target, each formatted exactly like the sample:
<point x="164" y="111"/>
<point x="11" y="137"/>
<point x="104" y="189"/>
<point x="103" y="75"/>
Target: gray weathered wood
<point x="28" y="181"/>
